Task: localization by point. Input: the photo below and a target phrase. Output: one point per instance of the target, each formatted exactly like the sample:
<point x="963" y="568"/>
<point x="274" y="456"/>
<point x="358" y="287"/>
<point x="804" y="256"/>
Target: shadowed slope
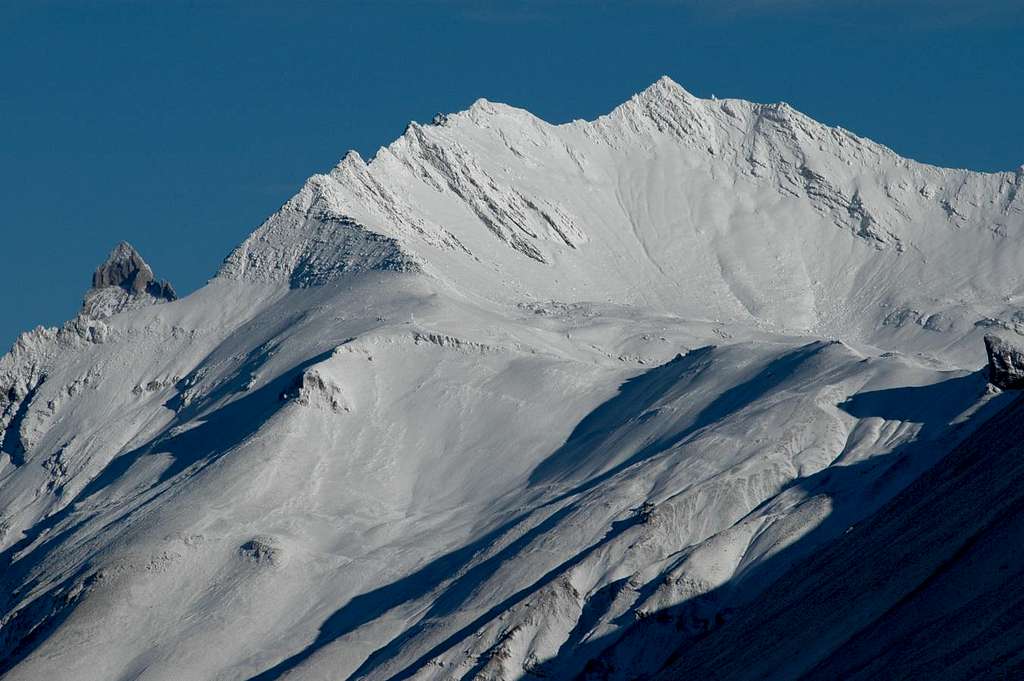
<point x="923" y="589"/>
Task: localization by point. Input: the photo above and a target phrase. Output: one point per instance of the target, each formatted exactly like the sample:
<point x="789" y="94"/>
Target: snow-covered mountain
<point x="510" y="400"/>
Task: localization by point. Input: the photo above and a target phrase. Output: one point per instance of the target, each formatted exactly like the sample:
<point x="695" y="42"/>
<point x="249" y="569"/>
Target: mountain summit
<point x="713" y="208"/>
<point x="124" y="280"/>
<point x="508" y="400"/>
<point x="124" y="267"/>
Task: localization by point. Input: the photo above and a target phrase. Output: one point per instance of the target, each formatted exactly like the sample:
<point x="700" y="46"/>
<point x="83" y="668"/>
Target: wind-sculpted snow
<point x="511" y="400"/>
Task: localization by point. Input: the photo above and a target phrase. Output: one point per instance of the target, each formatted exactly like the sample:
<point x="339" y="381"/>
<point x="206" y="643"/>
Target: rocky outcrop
<point x="1005" y="363"/>
<point x="124" y="267"/>
<point x="123" y="282"/>
<point x="312" y="388"/>
<point x="260" y="550"/>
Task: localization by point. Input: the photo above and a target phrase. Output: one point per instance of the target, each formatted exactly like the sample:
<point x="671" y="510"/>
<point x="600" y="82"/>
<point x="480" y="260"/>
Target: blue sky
<point x="180" y="125"/>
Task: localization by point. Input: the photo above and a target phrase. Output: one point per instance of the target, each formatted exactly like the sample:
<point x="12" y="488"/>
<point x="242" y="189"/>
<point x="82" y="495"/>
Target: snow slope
<point x="483" y="406"/>
<point x="928" y="588"/>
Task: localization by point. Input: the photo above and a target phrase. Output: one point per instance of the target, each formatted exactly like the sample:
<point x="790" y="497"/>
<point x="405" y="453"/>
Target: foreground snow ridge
<point x="511" y="400"/>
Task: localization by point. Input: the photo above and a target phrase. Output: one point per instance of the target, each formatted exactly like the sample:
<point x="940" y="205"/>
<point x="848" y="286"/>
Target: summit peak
<point x="124" y="267"/>
<point x="662" y="87"/>
<point x="123" y="279"/>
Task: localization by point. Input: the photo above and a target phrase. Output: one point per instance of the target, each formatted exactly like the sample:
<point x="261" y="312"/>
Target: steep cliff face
<point x="502" y="402"/>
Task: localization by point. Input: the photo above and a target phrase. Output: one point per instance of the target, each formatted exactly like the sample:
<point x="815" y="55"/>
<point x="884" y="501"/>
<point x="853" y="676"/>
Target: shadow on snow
<point x="220" y="431"/>
<point x="933" y="406"/>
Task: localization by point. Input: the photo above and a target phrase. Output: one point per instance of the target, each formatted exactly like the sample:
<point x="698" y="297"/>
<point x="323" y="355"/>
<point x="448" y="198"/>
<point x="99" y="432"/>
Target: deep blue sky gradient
<point x="180" y="126"/>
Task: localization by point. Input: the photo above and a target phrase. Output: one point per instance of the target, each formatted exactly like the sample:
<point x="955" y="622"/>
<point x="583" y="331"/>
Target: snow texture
<point x="510" y="400"/>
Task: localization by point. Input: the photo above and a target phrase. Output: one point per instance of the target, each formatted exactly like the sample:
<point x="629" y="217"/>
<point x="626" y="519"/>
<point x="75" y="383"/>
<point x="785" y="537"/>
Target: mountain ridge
<point x="477" y="407"/>
<point x="464" y="190"/>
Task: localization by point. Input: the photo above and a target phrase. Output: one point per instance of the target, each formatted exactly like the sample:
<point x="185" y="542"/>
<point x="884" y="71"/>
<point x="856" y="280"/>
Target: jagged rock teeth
<point x="124" y="281"/>
<point x="124" y="267"/>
